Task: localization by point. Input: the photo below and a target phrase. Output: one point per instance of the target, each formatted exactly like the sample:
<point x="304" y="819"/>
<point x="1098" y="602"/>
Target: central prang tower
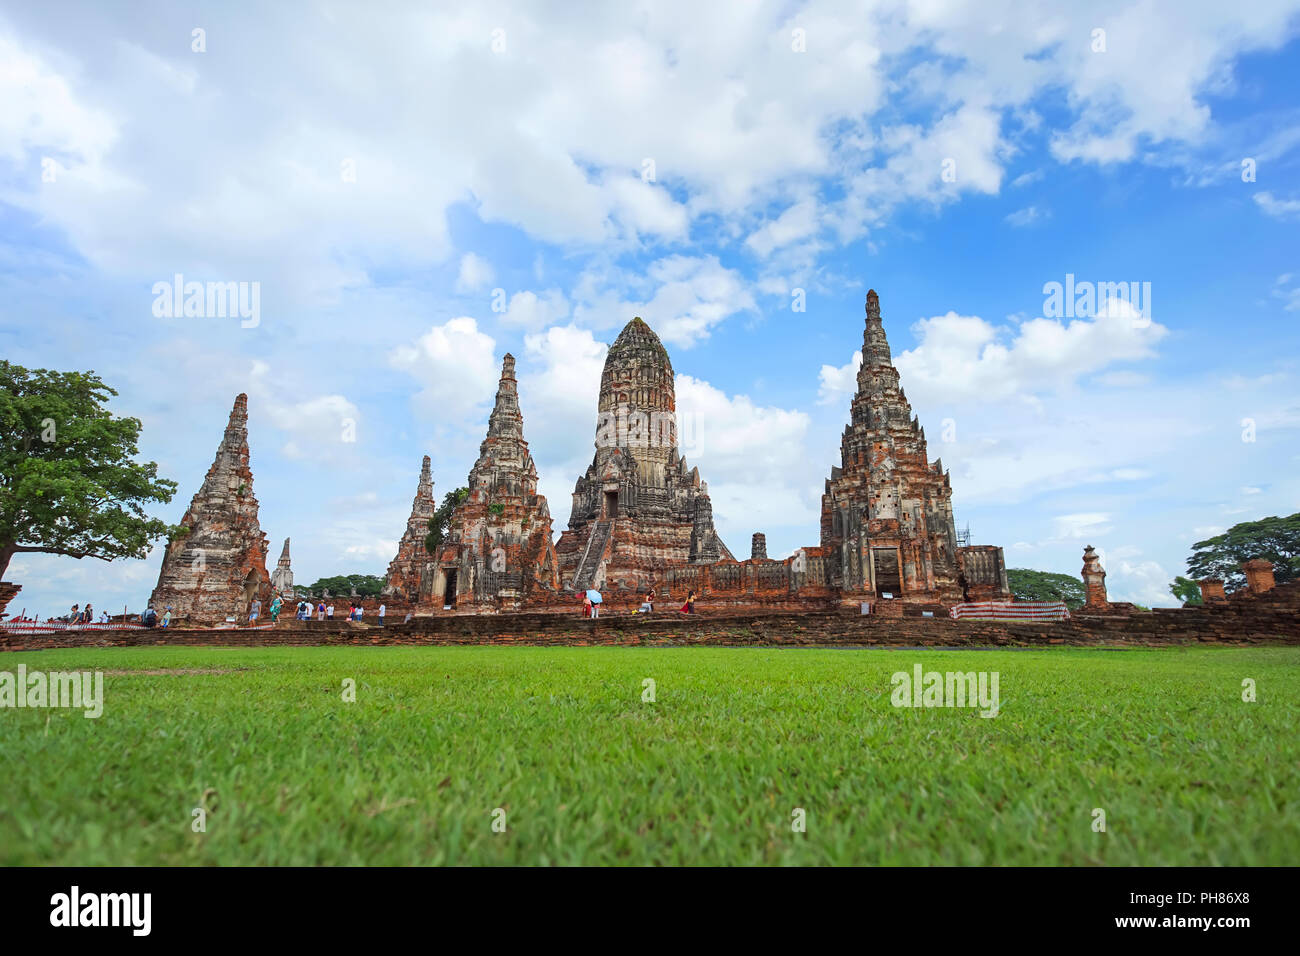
<point x="639" y="509"/>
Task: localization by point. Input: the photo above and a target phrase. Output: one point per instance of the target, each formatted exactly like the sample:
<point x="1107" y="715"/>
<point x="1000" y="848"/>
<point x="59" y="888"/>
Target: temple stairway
<point x="593" y="555"/>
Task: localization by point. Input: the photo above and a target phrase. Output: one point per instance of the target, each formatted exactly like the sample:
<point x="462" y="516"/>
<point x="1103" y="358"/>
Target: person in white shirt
<point x="382" y="609"/>
<point x="329" y="613"/>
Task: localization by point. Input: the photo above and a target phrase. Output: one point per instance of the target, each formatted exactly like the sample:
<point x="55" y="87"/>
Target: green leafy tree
<point x="366" y="585"/>
<point x="442" y="518"/>
<point x="69" y="483"/>
<point x="1028" y="585"/>
<point x="1186" y="590"/>
<point x="1273" y="539"/>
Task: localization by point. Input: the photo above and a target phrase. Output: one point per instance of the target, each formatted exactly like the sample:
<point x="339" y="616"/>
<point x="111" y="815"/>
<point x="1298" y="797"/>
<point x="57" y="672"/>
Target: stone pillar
<point x="1259" y="575"/>
<point x="758" y="547"/>
<point x="1212" y="591"/>
<point x="1094" y="578"/>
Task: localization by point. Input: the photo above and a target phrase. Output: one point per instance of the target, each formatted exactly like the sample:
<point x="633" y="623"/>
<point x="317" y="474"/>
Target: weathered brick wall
<point x="753" y="583"/>
<point x="8" y="591"/>
<point x="1272" y="618"/>
<point x="983" y="573"/>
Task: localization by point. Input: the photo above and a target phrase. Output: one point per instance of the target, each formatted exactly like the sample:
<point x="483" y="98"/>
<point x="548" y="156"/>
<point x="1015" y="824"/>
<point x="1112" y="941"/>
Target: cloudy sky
<point x="419" y="188"/>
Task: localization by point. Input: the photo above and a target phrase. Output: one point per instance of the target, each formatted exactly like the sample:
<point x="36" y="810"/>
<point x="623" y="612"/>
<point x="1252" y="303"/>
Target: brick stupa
<point x="498" y="551"/>
<point x="409" y="573"/>
<point x="887" y="523"/>
<point x="217" y="566"/>
<point x="640" y="508"/>
<point x="282" y="576"/>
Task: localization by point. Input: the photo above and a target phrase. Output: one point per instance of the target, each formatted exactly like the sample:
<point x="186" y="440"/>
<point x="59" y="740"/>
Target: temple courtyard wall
<point x="1271" y="618"/>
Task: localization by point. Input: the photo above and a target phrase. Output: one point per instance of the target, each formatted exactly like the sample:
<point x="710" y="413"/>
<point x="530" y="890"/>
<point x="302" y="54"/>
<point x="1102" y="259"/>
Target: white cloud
<point x="1138" y="91"/>
<point x="39" y="111"/>
<point x="647" y="210"/>
<point x="755" y="460"/>
<point x="1122" y="379"/>
<point x="456" y="367"/>
<point x="317" y="427"/>
<point x="838" y="383"/>
<point x="1288" y="292"/>
<point x="1085" y="525"/>
<point x="960" y="153"/>
<point x="691" y="295"/>
<point x="475" y="273"/>
<point x="1027" y="216"/>
<point x="531" y="311"/>
<point x="1143" y="582"/>
<point x="552" y="133"/>
<point x="735" y="437"/>
<point x="797" y="222"/>
<point x="964" y="357"/>
<point x="559" y="381"/>
<point x="1276" y="207"/>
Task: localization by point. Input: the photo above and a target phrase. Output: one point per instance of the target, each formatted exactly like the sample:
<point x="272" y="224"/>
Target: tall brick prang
<point x="410" y="576"/>
<point x="887" y="524"/>
<point x="640" y="509"/>
<point x="498" y="551"/>
<point x="217" y="565"/>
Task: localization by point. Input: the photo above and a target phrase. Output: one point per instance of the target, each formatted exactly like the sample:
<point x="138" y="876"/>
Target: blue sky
<point x="386" y="178"/>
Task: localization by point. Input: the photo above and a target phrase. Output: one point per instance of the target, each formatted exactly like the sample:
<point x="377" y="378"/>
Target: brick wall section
<point x="8" y="591"/>
<point x="1271" y="618"/>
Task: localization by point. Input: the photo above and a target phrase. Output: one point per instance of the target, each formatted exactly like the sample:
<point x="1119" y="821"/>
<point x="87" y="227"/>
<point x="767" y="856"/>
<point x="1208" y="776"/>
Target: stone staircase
<point x="593" y="555"/>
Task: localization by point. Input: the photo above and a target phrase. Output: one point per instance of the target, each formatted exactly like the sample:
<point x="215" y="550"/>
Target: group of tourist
<point x="150" y="617"/>
<point x="305" y="611"/>
<point x="86" y="615"/>
<point x="591" y="606"/>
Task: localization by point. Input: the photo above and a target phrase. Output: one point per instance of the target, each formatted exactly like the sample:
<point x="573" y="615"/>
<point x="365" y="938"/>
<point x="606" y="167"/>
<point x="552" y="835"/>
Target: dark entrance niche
<point x="449" y="593"/>
<point x="611" y="505"/>
<point x="887" y="577"/>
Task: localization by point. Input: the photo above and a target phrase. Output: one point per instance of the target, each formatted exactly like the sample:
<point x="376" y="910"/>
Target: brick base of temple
<point x="1270" y="618"/>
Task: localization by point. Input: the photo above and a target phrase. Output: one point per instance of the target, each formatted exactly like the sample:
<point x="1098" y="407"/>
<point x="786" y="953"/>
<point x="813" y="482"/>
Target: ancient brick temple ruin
<point x="498" y="552"/>
<point x="640" y="509"/>
<point x="217" y="565"/>
<point x="641" y="517"/>
<point x="410" y="574"/>
<point x="887" y="527"/>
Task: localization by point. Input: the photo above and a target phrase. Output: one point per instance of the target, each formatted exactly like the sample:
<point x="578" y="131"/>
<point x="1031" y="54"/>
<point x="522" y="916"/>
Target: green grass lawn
<point x="709" y="773"/>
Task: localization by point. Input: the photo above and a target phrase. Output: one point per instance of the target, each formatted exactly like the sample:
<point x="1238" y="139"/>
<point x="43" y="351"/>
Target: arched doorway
<point x="252" y="584"/>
